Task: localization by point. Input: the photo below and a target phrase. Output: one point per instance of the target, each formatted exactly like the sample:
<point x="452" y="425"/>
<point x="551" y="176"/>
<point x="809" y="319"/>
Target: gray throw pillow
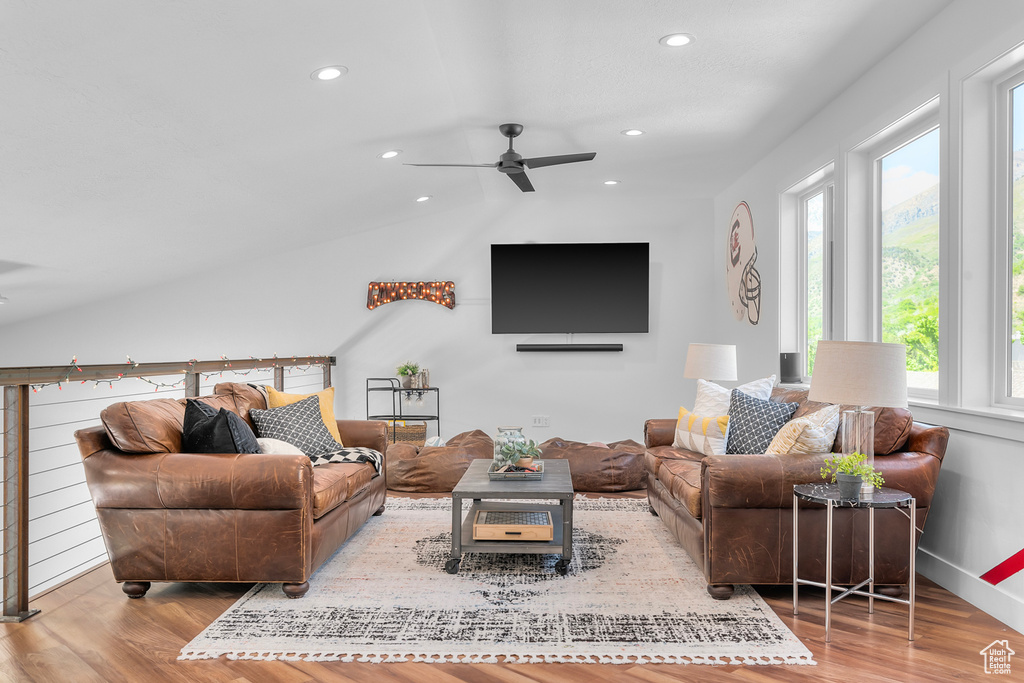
<point x="754" y="422"/>
<point x="300" y="424"/>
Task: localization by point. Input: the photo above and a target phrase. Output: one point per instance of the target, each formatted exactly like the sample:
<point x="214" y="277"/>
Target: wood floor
<point x="89" y="631"/>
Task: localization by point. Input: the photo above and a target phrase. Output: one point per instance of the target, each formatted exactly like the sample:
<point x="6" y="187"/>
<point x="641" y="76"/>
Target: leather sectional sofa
<point x="172" y="516"/>
<point x="733" y="513"/>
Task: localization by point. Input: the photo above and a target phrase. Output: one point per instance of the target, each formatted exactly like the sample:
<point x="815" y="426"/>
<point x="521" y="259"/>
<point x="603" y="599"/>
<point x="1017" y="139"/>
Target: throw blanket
<point x="352" y="455"/>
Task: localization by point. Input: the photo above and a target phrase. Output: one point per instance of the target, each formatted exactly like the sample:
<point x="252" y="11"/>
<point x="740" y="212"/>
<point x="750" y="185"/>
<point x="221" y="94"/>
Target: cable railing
<point x="50" y="530"/>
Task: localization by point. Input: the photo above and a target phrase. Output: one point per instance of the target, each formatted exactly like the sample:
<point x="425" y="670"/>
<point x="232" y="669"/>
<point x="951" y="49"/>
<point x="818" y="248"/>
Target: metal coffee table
<point x="477" y="486"/>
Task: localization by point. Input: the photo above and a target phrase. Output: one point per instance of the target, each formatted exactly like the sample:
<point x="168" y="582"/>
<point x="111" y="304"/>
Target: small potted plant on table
<point x="850" y="471"/>
<point x="406" y="371"/>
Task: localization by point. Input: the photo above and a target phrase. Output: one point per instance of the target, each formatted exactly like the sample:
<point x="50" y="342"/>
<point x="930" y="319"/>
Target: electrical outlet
<point x="541" y="421"/>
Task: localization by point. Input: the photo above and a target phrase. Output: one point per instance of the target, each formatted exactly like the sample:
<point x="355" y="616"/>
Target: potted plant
<point x="520" y="453"/>
<point x="850" y="471"/>
<point x="406" y="371"/>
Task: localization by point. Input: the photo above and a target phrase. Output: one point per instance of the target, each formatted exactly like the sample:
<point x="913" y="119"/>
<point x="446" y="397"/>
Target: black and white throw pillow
<point x="208" y="430"/>
<point x="300" y="424"/>
<point x="356" y="454"/>
<point x="754" y="422"/>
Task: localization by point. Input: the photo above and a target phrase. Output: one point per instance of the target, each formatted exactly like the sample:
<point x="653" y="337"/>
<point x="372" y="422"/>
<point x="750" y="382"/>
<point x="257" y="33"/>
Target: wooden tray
<point x="513" y="525"/>
<point x="498" y="476"/>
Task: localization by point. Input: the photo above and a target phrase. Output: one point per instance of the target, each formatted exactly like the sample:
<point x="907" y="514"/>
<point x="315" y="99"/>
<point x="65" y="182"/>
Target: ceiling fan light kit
<point x="514" y="165"/>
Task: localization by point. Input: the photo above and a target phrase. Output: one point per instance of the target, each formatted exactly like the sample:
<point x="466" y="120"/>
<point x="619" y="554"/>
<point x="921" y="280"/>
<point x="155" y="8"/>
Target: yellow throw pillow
<point x="276" y="399"/>
<point x="705" y="435"/>
<point x="812" y="433"/>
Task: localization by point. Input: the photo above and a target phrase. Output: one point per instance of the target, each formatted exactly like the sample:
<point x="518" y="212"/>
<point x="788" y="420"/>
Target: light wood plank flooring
<point x="89" y="631"/>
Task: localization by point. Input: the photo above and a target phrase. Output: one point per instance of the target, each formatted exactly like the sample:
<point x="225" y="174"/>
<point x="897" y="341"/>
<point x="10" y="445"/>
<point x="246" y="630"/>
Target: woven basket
<point x="408" y="432"/>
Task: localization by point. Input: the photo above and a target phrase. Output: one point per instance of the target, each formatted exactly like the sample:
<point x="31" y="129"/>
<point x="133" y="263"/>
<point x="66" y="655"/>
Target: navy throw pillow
<point x="208" y="430"/>
<point x="754" y="422"/>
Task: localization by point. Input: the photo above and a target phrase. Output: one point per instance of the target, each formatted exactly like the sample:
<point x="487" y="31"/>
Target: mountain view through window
<point x="910" y="256"/>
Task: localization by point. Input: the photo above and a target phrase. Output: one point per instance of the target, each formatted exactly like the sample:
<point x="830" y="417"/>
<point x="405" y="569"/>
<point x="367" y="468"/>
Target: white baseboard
<point x="1007" y="608"/>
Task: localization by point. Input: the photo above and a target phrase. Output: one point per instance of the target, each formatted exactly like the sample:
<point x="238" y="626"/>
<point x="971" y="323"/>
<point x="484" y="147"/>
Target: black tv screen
<point x="565" y="288"/>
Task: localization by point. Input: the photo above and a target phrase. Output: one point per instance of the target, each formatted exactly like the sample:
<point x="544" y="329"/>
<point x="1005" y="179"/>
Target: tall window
<point x="909" y="204"/>
<point x="815" y="209"/>
<point x="1016" y="384"/>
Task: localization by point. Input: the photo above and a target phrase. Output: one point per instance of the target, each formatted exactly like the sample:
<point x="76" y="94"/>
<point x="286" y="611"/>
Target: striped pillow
<point x="812" y="433"/>
<point x="705" y="435"/>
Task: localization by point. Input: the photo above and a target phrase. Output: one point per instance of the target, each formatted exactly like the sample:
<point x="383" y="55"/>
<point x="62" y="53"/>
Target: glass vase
<point x="508" y="446"/>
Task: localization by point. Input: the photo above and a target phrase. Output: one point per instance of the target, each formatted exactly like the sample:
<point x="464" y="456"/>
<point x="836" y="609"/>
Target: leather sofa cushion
<point x="892" y="425"/>
<point x="435" y="469"/>
<point x="154" y="426"/>
<point x="595" y="469"/>
<point x="243" y="396"/>
<point x="682" y="479"/>
<point x="335" y="483"/>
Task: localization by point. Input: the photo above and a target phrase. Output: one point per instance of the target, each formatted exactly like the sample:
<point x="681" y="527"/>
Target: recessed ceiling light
<point x="329" y="73"/>
<point x="390" y="154"/>
<point x="632" y="132"/>
<point x="676" y="39"/>
<point x="423" y="198"/>
<point x="611" y="182"/>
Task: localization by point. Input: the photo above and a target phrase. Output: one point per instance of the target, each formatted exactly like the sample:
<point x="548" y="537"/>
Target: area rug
<point x="632" y="595"/>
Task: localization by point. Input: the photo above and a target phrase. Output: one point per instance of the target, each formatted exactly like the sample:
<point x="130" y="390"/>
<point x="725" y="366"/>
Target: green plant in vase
<point x="406" y="371"/>
<point x="516" y="451"/>
<point x="850" y="471"/>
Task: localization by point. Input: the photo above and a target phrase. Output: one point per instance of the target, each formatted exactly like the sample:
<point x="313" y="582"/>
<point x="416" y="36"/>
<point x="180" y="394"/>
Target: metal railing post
<point x="15" y="532"/>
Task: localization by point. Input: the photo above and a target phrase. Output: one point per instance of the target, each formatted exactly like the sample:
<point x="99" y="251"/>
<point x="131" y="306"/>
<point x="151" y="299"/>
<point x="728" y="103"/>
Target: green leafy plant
<point x="520" y="449"/>
<point x="407" y="368"/>
<point x="856" y="464"/>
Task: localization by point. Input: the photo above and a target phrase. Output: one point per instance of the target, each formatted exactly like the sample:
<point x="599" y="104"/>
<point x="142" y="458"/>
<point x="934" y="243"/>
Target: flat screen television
<point x="567" y="288"/>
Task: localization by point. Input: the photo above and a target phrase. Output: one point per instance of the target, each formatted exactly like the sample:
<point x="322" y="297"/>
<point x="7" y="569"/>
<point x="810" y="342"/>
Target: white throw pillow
<point x="812" y="433"/>
<point x="278" y="447"/>
<point x="713" y="399"/>
<point x="701" y="434"/>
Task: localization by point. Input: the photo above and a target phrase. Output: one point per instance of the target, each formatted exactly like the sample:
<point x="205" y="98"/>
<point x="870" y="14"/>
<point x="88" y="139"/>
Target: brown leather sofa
<point x="437" y="469"/>
<point x="172" y="516"/>
<point x="733" y="513"/>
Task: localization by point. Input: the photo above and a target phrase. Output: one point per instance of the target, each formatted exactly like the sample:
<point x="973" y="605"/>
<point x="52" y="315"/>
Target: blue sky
<point x="910" y="170"/>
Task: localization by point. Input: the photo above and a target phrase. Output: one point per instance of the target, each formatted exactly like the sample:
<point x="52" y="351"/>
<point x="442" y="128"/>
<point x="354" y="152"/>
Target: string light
<point x="73" y="367"/>
<point x="438" y="292"/>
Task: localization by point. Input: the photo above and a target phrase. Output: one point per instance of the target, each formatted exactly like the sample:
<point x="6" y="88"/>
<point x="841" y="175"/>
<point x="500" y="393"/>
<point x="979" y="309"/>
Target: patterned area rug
<point x="632" y="595"/>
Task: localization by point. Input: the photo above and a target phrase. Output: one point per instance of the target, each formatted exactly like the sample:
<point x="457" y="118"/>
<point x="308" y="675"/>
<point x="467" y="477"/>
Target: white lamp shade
<point x="711" y="361"/>
<point x="860" y="374"/>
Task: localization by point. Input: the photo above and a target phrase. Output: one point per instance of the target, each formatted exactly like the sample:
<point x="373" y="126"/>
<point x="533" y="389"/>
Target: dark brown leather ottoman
<point x="597" y="469"/>
<point x="435" y="469"/>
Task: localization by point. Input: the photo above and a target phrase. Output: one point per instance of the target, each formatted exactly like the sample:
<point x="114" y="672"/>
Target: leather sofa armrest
<point x="364" y="433"/>
<point x="660" y="432"/>
<point x="251" y="481"/>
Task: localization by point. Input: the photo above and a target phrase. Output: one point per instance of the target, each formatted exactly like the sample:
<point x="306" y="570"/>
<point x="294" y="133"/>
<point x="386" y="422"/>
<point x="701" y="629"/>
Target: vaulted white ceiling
<point x="143" y="140"/>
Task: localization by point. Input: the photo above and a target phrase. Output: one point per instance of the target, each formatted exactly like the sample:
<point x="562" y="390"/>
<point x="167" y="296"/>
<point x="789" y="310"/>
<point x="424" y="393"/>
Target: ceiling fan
<point x="513" y="163"/>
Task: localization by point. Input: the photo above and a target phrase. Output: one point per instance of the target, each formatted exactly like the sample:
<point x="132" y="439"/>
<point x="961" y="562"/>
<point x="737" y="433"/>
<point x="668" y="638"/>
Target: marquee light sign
<point x="380" y="293"/>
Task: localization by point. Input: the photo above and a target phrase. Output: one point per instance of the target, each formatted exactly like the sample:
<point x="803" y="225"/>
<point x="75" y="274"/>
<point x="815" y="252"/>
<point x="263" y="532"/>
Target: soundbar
<point x="568" y="347"/>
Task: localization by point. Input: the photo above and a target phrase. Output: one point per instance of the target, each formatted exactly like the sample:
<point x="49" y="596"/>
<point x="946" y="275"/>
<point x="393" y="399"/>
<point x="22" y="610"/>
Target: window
<point x="816" y="220"/>
<point x="805" y="265"/>
<point x="908" y="220"/>
<point x="1015" y="388"/>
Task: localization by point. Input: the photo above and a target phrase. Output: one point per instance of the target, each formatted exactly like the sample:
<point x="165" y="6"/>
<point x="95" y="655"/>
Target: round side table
<point x="828" y="495"/>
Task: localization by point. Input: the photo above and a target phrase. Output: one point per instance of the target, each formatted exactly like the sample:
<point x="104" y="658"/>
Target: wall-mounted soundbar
<point x="569" y="347"/>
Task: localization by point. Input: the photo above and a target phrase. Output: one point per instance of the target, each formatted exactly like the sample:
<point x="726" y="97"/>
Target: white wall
<point x="313" y="301"/>
<point x="975" y="520"/>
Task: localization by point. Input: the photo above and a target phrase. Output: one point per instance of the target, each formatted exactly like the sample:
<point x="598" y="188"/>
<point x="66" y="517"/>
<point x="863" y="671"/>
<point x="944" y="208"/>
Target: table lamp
<point x="711" y="361"/>
<point x="861" y="374"/>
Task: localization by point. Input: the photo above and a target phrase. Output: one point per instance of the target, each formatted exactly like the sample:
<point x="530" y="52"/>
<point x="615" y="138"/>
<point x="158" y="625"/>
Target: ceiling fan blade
<point x="538" y="162"/>
<point x="522" y="181"/>
<point x="494" y="165"/>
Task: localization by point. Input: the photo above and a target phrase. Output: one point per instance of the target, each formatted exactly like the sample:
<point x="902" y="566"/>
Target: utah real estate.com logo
<point x="997" y="657"/>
